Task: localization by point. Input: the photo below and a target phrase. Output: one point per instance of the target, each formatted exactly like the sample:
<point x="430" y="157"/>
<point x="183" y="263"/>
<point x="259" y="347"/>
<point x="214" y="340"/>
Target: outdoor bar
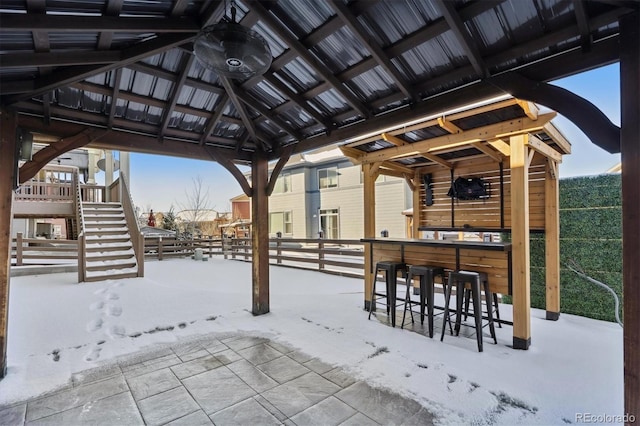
<point x="516" y="151"/>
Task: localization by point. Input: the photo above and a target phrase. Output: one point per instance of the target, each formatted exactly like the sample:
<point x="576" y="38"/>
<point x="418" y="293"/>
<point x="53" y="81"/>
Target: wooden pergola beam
<point x="529" y="108"/>
<point x="177" y="89"/>
<point x="431" y="157"/>
<point x="543" y="148"/>
<point x="492" y="153"/>
<point x="492" y="131"/>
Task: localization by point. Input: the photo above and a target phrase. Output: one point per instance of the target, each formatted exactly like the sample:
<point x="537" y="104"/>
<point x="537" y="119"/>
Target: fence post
<point x="19" y="249"/>
<point x="320" y="255"/>
<point x="279" y="248"/>
<point x="233" y="248"/>
<point x="81" y="258"/>
<point x="246" y="257"/>
<point x="159" y="248"/>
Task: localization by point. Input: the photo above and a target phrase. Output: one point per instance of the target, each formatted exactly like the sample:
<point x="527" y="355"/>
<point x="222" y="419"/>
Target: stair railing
<point x="137" y="238"/>
<point x="82" y="246"/>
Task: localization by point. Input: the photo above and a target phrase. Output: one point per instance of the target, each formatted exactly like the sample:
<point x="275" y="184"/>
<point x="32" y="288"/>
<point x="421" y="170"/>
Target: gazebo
<point x="118" y="74"/>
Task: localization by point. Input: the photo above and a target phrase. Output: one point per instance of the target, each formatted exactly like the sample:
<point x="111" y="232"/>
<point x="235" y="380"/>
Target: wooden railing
<point x="57" y="183"/>
<point x="36" y="251"/>
<point x="137" y="239"/>
<point x="342" y="257"/>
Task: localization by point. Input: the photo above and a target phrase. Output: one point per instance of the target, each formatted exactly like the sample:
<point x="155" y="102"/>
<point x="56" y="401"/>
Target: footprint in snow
<point x="100" y="291"/>
<point x="116" y="331"/>
<point x="93" y="354"/>
<point x="95" y="324"/>
<point x="114" y="310"/>
<point x="96" y="306"/>
<point x="111" y="296"/>
<point x="56" y="355"/>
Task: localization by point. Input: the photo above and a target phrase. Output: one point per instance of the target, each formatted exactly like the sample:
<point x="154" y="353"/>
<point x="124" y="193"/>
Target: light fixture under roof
<point x="232" y="50"/>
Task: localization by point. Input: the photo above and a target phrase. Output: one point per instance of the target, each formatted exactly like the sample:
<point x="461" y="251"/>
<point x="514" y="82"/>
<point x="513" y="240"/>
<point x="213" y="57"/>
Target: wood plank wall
<point x="484" y="213"/>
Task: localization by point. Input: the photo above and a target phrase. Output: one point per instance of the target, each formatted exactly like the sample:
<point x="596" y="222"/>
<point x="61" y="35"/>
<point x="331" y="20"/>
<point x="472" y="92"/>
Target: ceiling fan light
<point x="233" y="50"/>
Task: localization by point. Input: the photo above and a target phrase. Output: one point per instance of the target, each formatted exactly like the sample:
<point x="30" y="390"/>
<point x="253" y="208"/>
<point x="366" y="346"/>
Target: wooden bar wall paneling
<point x="7" y="179"/>
<point x="630" y="154"/>
<point x="260" y="234"/>
<point x="369" y="184"/>
<point x="520" y="242"/>
<point x="552" y="244"/>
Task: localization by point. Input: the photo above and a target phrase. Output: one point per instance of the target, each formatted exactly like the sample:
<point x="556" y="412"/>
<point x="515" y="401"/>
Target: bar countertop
<point x="459" y="244"/>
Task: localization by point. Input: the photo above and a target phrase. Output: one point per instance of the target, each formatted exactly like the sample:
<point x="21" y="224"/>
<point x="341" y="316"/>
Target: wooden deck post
<point x="369" y="182"/>
<point x="552" y="241"/>
<point x="260" y="234"/>
<point x="417" y="210"/>
<point x="7" y="180"/>
<point x="630" y="154"/>
<point x="520" y="242"/>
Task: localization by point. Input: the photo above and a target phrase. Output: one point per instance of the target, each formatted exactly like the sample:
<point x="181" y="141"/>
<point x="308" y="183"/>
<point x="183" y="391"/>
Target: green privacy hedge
<point x="591" y="235"/>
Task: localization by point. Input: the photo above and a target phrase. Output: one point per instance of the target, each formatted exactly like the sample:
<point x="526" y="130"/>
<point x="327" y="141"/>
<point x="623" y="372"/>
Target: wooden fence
<point x="36" y="251"/>
<point x="340" y="257"/>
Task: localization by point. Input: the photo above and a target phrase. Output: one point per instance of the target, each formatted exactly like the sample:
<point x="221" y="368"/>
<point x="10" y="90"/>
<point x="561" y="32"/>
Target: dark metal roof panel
<point x="340" y="50"/>
<point x="301" y="75"/>
<point x="307" y="14"/>
<point x="373" y="84"/>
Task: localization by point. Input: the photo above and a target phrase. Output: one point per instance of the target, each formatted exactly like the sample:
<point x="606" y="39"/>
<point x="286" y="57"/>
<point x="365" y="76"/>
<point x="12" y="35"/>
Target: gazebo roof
<point x="127" y="69"/>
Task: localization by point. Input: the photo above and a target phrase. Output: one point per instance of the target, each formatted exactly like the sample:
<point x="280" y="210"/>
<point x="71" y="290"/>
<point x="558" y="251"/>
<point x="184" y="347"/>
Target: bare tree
<point x="197" y="205"/>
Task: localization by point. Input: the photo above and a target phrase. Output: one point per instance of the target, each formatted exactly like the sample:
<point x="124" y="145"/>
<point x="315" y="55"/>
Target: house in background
<point x="320" y="193"/>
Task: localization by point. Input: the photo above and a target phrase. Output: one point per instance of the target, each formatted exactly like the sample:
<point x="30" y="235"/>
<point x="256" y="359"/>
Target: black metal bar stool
<point x="496" y="306"/>
<point x="427" y="276"/>
<point x="391" y="270"/>
<point x="478" y="281"/>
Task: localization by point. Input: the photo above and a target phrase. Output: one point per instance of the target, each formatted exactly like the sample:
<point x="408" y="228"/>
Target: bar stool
<point x="427" y="276"/>
<point x="391" y="270"/>
<point x="496" y="307"/>
<point x="476" y="280"/>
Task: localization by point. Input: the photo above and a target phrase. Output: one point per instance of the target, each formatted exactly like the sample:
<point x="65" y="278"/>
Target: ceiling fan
<point x="232" y="50"/>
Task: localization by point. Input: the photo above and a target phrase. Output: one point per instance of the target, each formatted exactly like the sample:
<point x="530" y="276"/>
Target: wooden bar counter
<point x="493" y="258"/>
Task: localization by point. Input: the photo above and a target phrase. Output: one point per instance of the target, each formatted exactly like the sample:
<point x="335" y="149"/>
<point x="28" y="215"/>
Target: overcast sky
<point x="159" y="182"/>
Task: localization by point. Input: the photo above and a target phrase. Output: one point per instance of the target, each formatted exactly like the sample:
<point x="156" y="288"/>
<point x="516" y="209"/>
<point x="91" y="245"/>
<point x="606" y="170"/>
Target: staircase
<point x="109" y="251"/>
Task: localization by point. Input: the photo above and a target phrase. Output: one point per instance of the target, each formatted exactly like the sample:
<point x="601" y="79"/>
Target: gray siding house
<point x="322" y="191"/>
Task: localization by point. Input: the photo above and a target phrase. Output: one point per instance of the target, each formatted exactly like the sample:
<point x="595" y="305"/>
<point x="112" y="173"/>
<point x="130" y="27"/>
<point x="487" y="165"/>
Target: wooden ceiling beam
<point x="448" y="126"/>
<point x="274" y="24"/>
<point x="552" y="131"/>
<point x="373" y="47"/>
<point x="431" y="157"/>
<point x="544" y="149"/>
<point x="114" y="98"/>
<point x="81" y="24"/>
<point x="44" y="58"/>
<point x="434" y="121"/>
<point x="244" y="115"/>
<point x="212" y="120"/>
<point x="492" y="131"/>
<point x="501" y="146"/>
<point x="177" y="89"/>
<point x="495" y="155"/>
<point x="529" y="108"/>
<point x="70" y="75"/>
<point x="456" y="24"/>
<point x="579" y="8"/>
<point x="105" y="38"/>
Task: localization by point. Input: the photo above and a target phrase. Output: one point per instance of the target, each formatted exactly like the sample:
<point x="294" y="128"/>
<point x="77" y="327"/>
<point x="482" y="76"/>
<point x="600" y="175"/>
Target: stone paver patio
<point x="224" y="380"/>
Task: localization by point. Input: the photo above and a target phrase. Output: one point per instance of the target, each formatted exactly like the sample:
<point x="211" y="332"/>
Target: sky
<point x="574" y="365"/>
<point x="159" y="182"/>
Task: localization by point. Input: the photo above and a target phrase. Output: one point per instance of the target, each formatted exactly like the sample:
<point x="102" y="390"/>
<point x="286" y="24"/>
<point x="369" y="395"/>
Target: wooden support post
<point x="630" y="155"/>
<point x="552" y="242"/>
<point x="260" y="234"/>
<point x="7" y="180"/>
<point x="19" y="244"/>
<point x="369" y="183"/>
<point x="82" y="256"/>
<point x="520" y="242"/>
<point x="320" y="255"/>
<point x="417" y="206"/>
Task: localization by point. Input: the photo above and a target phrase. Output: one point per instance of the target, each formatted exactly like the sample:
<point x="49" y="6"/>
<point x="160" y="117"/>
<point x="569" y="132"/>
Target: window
<point x="281" y="222"/>
<point x="328" y="177"/>
<point x="283" y="184"/>
<point x="329" y="223"/>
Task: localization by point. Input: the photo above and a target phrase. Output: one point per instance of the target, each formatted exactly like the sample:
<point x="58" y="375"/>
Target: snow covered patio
<point x="187" y="324"/>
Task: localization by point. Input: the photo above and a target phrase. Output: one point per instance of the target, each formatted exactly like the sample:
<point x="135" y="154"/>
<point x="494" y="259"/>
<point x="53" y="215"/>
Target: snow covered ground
<point x="58" y="327"/>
